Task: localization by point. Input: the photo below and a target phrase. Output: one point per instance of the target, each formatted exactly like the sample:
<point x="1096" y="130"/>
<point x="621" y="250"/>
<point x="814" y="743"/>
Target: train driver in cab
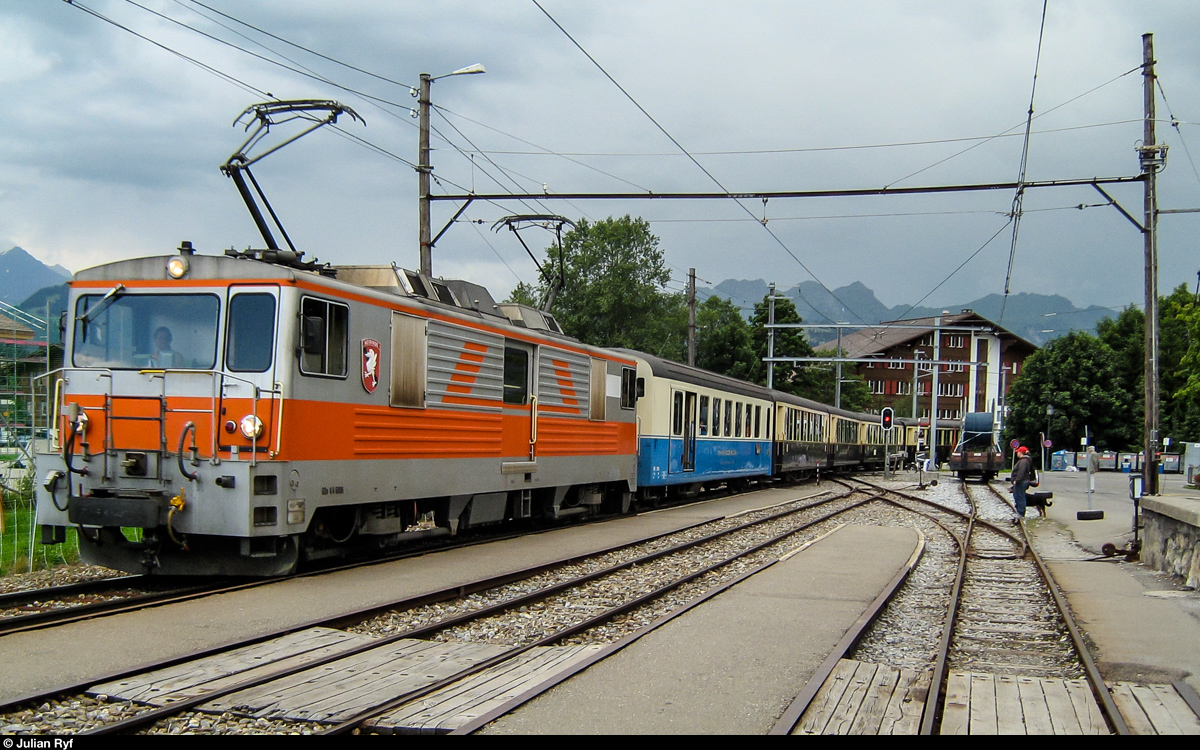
<point x="164" y="358"/>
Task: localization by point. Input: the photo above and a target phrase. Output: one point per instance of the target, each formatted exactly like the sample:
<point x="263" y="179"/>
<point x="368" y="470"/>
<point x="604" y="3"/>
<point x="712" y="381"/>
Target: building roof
<point x="12" y="329"/>
<point x="879" y="339"/>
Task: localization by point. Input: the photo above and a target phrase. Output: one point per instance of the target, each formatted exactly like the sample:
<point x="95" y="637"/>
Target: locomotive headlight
<point x="251" y="426"/>
<point x="177" y="267"/>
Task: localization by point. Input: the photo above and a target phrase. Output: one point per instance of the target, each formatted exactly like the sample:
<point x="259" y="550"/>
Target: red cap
<point x="1022" y="449"/>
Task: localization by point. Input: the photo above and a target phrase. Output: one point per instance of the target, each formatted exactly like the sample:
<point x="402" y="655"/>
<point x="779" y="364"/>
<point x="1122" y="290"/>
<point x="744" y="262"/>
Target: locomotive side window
<point x="516" y="375"/>
<point x="628" y="388"/>
<point x="146" y="331"/>
<point x="250" y="338"/>
<point x="324" y="326"/>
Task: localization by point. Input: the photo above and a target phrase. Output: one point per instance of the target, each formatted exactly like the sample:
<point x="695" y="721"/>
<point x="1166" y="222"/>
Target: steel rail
<point x="1095" y="679"/>
<point x="148" y="717"/>
<point x="791" y="715"/>
<point x="592" y="622"/>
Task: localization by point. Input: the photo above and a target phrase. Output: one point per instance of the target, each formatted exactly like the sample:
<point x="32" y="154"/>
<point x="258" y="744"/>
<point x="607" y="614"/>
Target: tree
<point x="801" y="379"/>
<point x="1079" y="376"/>
<point x="613" y="294"/>
<point x="723" y="343"/>
<point x="1179" y="407"/>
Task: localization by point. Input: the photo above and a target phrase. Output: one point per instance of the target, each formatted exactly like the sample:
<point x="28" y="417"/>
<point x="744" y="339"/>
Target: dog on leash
<point x="1039" y="500"/>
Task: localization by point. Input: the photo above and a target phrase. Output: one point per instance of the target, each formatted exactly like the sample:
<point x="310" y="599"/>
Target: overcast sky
<point x="111" y="145"/>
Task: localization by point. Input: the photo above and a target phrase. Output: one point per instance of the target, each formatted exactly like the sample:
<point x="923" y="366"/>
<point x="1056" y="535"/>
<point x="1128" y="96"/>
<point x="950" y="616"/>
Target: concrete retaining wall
<point x="1171" y="536"/>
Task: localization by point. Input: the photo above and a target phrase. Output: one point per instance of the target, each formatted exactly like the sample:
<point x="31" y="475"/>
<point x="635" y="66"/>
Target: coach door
<point x="248" y="385"/>
<point x="683" y="432"/>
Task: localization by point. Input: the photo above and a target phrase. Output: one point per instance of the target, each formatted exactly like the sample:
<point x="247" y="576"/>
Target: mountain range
<point x="30" y="284"/>
<point x="21" y="274"/>
<point x="1036" y="318"/>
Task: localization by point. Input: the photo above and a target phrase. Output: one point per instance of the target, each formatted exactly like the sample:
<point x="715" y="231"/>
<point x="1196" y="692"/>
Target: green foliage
<point x="1079" y="375"/>
<point x="18" y="534"/>
<point x="614" y="294"/>
<point x="801" y="379"/>
<point x="723" y="343"/>
<point x="1179" y="405"/>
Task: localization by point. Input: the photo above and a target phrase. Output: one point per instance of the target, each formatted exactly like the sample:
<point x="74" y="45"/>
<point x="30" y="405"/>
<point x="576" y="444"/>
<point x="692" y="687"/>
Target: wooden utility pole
<point x="692" y="317"/>
<point x="1152" y="157"/>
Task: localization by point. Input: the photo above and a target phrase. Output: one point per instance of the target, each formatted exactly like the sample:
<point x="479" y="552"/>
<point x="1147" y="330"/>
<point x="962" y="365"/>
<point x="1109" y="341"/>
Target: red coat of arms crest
<point x="370" y="364"/>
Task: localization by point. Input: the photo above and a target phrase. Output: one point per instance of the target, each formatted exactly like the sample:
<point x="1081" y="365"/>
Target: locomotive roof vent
<point x="396" y="280"/>
<point x="530" y="317"/>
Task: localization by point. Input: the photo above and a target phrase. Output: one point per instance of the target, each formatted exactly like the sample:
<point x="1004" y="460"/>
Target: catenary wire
<point x="693" y="159"/>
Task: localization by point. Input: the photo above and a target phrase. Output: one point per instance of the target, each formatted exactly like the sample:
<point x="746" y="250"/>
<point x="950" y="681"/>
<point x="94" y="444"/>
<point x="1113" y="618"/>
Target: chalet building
<point x="961" y="388"/>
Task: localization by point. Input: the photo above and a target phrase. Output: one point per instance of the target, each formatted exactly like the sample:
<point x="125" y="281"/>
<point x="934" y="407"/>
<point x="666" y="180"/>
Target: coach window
<point x="516" y="375"/>
<point x="757" y="421"/>
<point x="728" y="418"/>
<point x="737" y="420"/>
<point x="324" y="326"/>
<point x="249" y="342"/>
<point x="704" y="415"/>
<point x="677" y="414"/>
<point x="716" y="417"/>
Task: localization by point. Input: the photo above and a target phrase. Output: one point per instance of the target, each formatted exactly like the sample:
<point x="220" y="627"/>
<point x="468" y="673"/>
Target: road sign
<point x="1046" y="443"/>
<point x="1015" y="443"/>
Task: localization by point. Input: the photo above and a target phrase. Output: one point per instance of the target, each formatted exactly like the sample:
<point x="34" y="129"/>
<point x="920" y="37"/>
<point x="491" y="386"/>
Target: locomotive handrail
<point x="218" y="379"/>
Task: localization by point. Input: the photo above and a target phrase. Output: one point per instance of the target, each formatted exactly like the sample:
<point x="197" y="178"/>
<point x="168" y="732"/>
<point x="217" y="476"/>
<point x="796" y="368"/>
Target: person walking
<point x="1022" y="475"/>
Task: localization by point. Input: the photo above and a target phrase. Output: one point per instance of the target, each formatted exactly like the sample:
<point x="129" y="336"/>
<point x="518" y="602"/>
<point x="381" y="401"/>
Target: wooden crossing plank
<point x="209" y="673"/>
<point x="455" y="705"/>
<point x="1087" y="711"/>
<point x="847" y="708"/>
<point x="907" y="706"/>
<point x="1131" y="710"/>
<point x="1062" y="711"/>
<point x="1181" y="712"/>
<point x="336" y="691"/>
<point x="983" y="703"/>
<point x="956" y="716"/>
<point x="1009" y="719"/>
<point x="1156" y="711"/>
<point x="870" y="713"/>
<point x="1033" y="706"/>
<point x="818" y="713"/>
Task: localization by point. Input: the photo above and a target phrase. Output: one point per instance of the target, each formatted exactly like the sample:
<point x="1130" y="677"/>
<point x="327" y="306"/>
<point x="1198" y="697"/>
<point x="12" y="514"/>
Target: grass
<point x="20" y="551"/>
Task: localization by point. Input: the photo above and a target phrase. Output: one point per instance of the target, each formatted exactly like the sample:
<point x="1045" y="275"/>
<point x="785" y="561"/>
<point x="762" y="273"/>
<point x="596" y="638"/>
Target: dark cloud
<point x="111" y="145"/>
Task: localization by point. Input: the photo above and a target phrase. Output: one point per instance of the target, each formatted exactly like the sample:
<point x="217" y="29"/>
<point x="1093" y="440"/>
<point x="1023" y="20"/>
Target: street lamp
<point x="423" y="166"/>
<point x="1049" y="414"/>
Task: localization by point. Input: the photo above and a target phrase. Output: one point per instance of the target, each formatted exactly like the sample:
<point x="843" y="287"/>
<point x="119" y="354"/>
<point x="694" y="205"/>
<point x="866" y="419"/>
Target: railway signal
<point x="886" y="417"/>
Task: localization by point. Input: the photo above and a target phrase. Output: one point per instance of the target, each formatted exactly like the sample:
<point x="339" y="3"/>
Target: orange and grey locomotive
<point x="236" y="414"/>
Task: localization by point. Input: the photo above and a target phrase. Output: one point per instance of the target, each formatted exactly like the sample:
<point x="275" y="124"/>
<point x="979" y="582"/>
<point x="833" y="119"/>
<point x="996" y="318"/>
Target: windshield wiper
<point x="105" y="301"/>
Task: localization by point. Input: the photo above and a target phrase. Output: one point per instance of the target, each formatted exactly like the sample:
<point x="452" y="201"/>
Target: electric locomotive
<point x="235" y="414"/>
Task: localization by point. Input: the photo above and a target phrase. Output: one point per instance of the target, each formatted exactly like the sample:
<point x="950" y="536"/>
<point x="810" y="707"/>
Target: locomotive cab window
<point x="250" y="338"/>
<point x="516" y="375"/>
<point x="140" y="331"/>
<point x="324" y="335"/>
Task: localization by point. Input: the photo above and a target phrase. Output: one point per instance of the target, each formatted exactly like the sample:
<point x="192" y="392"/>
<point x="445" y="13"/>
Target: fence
<point x="20" y="551"/>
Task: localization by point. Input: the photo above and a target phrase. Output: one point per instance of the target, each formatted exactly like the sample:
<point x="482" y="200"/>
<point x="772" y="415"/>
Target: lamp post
<point x="1049" y="414"/>
<point x="423" y="166"/>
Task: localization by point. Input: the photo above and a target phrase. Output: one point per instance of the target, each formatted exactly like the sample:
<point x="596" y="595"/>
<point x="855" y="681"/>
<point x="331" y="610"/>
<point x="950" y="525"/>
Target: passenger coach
<point x="696" y="428"/>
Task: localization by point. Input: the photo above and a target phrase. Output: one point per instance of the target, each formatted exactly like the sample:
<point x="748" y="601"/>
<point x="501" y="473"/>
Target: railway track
<point x="1007" y="638"/>
<point x="591" y="604"/>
